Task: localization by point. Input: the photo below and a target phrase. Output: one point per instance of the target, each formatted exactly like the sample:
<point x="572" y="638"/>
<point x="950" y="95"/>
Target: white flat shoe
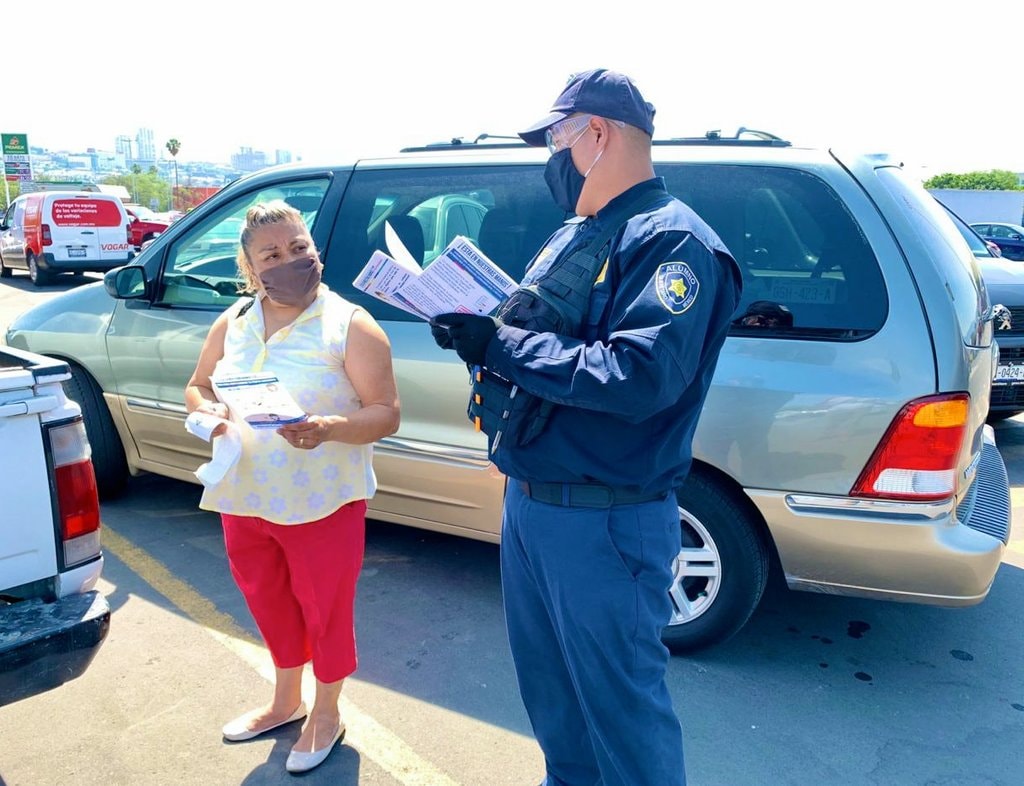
<point x="237" y="730"/>
<point x="303" y="762"/>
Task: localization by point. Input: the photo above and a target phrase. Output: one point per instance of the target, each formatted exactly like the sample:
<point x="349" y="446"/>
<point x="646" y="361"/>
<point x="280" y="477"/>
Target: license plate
<point x="1009" y="372"/>
<point x="76" y="252"/>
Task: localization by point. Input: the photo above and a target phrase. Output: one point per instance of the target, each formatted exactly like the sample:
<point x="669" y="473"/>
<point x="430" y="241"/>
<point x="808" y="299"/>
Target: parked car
<point x="847" y="442"/>
<point x="51" y="232"/>
<point x="1005" y="282"/>
<point x="1009" y="238"/>
<point x="145" y="225"/>
<point x="52" y="619"/>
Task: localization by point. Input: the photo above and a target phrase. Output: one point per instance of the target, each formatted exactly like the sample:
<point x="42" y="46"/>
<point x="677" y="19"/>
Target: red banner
<point x="86" y="213"/>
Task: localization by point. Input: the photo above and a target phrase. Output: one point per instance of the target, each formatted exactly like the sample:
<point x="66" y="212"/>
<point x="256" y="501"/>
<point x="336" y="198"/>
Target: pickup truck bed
<point x="52" y="620"/>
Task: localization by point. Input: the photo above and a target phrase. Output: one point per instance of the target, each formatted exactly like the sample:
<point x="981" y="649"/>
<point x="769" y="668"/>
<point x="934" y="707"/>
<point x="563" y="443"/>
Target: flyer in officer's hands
<point x="461" y="279"/>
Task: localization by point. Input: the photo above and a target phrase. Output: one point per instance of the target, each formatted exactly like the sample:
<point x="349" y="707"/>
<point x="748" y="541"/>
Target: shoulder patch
<point x="676" y="285"/>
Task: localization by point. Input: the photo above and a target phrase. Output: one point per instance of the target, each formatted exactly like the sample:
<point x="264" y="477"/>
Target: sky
<point x="339" y="81"/>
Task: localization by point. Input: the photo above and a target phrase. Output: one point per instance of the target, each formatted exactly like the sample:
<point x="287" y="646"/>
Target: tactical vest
<point x="558" y="302"/>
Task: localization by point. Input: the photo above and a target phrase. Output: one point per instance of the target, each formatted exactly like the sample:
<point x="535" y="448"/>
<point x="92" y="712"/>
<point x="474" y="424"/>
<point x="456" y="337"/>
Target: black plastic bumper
<point x="43" y="645"/>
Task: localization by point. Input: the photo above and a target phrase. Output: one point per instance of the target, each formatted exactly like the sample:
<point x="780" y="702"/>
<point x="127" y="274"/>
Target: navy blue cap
<point x="599" y="92"/>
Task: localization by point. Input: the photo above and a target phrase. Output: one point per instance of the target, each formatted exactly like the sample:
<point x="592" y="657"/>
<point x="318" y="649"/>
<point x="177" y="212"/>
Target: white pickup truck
<point x="52" y="621"/>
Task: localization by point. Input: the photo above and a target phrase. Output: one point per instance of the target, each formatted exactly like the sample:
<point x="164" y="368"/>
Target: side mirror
<point x="125" y="283"/>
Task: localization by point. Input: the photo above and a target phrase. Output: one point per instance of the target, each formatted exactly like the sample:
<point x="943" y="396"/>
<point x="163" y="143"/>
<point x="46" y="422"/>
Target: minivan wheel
<point x="108" y="461"/>
<point x="38" y="277"/>
<point x="722" y="569"/>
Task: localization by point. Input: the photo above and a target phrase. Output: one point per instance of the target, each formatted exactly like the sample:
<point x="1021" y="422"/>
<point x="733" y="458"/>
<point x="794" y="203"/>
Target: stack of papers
<point x="462" y="279"/>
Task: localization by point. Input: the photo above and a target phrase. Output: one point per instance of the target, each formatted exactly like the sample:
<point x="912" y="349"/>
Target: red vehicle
<point x="145" y="225"/>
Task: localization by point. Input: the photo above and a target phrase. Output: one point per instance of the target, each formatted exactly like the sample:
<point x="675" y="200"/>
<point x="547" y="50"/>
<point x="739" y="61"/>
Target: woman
<point x="294" y="505"/>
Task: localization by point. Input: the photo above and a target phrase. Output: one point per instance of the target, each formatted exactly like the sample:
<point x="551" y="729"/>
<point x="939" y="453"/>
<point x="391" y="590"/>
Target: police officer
<point x="589" y="384"/>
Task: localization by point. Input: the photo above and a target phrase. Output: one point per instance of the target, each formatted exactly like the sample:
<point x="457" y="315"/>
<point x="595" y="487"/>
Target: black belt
<point x="585" y="495"/>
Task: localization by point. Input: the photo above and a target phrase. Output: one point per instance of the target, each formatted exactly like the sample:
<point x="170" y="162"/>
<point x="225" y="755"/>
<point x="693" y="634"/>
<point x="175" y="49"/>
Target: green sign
<point x="15" y="144"/>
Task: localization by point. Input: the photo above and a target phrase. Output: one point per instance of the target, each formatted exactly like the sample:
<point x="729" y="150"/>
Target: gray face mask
<point x="290" y="284"/>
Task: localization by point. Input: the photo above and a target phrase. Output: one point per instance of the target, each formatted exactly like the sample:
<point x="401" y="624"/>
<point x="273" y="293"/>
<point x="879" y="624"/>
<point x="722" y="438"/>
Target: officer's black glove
<point x="469" y="334"/>
<point x="441" y="335"/>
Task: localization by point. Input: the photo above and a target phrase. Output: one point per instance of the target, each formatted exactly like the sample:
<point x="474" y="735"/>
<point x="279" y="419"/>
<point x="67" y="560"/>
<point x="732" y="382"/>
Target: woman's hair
<point x="260" y="215"/>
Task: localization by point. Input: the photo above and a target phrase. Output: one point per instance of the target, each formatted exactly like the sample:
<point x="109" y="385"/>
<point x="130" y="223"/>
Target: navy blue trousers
<point x="586" y="598"/>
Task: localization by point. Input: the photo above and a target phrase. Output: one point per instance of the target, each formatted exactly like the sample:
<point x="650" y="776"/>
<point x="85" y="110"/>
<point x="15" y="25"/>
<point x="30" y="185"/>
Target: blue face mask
<point x="564" y="180"/>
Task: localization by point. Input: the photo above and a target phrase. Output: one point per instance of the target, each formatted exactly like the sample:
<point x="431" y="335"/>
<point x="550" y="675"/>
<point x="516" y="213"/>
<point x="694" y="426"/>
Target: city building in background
<point x="145" y="148"/>
<point x="134" y="157"/>
<point x="248" y="160"/>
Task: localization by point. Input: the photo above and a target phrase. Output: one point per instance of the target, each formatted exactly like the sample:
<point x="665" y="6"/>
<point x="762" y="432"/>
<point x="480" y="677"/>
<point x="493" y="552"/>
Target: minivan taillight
<point x="917" y="457"/>
<point x="47" y="239"/>
<point x="77" y="501"/>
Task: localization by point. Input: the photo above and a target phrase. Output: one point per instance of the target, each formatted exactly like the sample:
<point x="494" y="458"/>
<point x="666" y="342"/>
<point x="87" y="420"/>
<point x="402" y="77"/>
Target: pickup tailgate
<point x="28" y="551"/>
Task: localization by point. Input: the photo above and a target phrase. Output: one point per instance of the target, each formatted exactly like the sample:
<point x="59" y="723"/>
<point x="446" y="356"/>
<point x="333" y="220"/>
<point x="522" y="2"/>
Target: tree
<point x="136" y="171"/>
<point x="14" y="186"/>
<point x="173" y="146"/>
<point x="145" y="186"/>
<point x="992" y="180"/>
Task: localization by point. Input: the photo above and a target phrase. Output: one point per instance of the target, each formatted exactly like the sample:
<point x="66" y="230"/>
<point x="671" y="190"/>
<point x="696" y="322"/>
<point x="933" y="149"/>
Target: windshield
<point x="143" y="212"/>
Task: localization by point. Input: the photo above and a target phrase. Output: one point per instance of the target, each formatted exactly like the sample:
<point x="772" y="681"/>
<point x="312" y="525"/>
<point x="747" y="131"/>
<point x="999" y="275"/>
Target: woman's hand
<point x="307" y="435"/>
<point x="217" y="410"/>
<point x="214" y="408"/>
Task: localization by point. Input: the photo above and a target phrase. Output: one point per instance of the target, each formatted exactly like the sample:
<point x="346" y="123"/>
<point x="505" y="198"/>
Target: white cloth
<point x="227" y="448"/>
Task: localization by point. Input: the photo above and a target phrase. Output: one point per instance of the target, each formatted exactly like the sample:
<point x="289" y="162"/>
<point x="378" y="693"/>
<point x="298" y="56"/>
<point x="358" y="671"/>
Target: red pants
<point x="299" y="581"/>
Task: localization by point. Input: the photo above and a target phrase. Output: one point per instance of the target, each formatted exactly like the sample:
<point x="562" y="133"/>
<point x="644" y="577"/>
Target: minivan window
<point x="954" y="258"/>
<point x="796" y="243"/>
<point x="507" y="211"/>
<point x="200" y="269"/>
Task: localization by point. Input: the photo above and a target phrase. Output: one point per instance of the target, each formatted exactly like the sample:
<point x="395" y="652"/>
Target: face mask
<point x="564" y="180"/>
<point x="290" y="284"/>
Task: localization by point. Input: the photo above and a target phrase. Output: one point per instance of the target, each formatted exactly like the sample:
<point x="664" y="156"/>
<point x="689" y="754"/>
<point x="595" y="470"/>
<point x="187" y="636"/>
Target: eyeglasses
<point x="566" y="133"/>
<point x="559" y="135"/>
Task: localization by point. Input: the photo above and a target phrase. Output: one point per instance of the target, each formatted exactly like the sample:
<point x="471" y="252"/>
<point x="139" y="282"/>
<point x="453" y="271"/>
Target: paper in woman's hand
<point x="259" y="399"/>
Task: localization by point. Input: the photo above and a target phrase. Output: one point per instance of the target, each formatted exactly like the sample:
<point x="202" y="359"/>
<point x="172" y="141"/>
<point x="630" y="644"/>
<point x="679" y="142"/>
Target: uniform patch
<point x="677" y="286"/>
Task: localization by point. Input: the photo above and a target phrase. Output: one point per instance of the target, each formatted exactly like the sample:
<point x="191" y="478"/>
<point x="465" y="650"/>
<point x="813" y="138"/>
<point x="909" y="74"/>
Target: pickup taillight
<point x="47" y="239"/>
<point x="77" y="501"/>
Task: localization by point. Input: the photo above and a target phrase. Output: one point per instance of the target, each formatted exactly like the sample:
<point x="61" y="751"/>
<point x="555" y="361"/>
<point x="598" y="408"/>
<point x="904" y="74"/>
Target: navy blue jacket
<point x="631" y="389"/>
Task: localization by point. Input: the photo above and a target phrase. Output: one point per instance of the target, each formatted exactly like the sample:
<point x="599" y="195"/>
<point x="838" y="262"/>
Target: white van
<point x="51" y="232"/>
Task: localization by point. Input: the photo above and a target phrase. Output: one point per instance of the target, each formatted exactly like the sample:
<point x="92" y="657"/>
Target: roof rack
<point x="458" y="141"/>
<point x="746" y="137"/>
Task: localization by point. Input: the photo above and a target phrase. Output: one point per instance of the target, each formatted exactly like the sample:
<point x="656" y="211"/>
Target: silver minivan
<point x="843" y="439"/>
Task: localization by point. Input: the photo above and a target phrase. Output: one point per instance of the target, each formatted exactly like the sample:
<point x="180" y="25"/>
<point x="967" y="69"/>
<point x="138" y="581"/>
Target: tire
<point x="39" y="277"/>
<point x="5" y="272"/>
<point x="721" y="572"/>
<point x="108" y="460"/>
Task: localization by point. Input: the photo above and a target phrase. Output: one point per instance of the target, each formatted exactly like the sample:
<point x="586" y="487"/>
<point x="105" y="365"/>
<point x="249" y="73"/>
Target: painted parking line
<point x="1016" y="544"/>
<point x="372" y="739"/>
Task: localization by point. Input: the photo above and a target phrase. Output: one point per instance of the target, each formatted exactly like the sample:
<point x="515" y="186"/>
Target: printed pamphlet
<point x="258" y="399"/>
<point x="462" y="280"/>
